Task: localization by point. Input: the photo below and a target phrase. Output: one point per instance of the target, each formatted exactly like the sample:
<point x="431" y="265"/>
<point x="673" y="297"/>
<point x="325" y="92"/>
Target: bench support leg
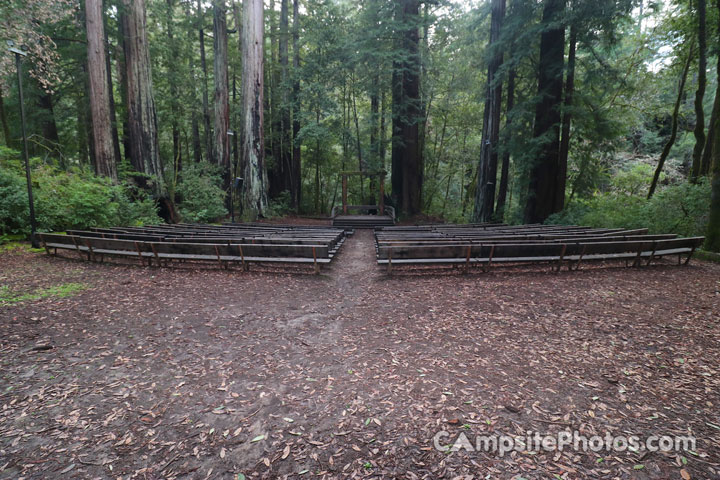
<point x="467" y="260"/>
<point x="562" y="255"/>
<point x="687" y="261"/>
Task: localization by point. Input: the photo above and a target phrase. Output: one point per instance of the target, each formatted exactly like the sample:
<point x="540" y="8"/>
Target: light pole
<point x="231" y="133"/>
<point x="18" y="65"/>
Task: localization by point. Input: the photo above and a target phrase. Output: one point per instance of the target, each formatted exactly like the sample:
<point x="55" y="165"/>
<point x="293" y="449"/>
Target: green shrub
<point x="279" y="206"/>
<point x="199" y="193"/>
<point x="14" y="216"/>
<point x="682" y="209"/>
<point x="68" y="200"/>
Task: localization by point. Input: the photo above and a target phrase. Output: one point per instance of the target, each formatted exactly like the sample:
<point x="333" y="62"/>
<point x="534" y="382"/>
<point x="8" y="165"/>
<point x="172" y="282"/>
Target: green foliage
<point x="75" y="199"/>
<point x="199" y="193"/>
<point x="682" y="209"/>
<point x="280" y="206"/>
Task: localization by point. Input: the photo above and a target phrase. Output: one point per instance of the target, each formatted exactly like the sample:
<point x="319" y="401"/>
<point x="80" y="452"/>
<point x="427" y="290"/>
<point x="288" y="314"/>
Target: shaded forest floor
<point x="204" y="373"/>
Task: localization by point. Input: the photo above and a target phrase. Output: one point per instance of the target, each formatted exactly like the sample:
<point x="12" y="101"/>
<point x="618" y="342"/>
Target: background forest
<point x="596" y="112"/>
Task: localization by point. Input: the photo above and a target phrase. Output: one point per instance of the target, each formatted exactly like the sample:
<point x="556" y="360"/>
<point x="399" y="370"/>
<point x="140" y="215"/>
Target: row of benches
<point x="163" y="244"/>
<point x="486" y="245"/>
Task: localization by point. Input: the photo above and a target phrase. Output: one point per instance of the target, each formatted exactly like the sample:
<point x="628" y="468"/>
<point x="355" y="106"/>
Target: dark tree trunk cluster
<point x="487" y="168"/>
<point x="407" y="164"/>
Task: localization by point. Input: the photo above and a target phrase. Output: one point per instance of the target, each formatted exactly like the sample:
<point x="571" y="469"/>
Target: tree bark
<point x="673" y="133"/>
<point x="712" y="240"/>
<point x="221" y="143"/>
<point x="3" y="120"/>
<point x="122" y="78"/>
<point x="566" y="123"/>
<point x="172" y="75"/>
<point x="296" y="184"/>
<point x="111" y="96"/>
<point x="282" y="139"/>
<point x="546" y="131"/>
<point x="396" y="148"/>
<point x="706" y="160"/>
<point x="205" y="96"/>
<point x="99" y="95"/>
<point x="487" y="167"/>
<point x="48" y="127"/>
<point x="81" y="130"/>
<point x="142" y="119"/>
<point x="407" y="110"/>
<point x="505" y="169"/>
<point x="253" y="151"/>
<point x="699" y="130"/>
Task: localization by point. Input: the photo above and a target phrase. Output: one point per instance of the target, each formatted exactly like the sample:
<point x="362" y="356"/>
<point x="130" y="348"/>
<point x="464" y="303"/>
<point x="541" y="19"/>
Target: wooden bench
<point x="556" y="253"/>
<point x="95" y="248"/>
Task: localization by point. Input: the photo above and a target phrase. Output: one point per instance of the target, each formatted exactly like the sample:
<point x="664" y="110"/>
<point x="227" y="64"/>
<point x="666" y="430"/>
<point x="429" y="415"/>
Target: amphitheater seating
<point x="227" y="244"/>
<point x="487" y="244"/>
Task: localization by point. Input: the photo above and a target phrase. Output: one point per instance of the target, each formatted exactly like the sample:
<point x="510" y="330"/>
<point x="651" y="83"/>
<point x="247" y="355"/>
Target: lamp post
<point x="230" y="133"/>
<point x="18" y="65"/>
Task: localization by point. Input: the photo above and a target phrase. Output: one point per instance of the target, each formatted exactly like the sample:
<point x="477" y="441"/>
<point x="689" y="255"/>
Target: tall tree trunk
<point x="48" y="127"/>
<point x="566" y="123"/>
<point x="712" y="240"/>
<point x="81" y="131"/>
<point x="487" y="167"/>
<point x="122" y="79"/>
<point x="3" y="120"/>
<point x="113" y="111"/>
<point x="99" y="95"/>
<point x="700" y="94"/>
<point x="195" y="120"/>
<point x="174" y="56"/>
<point x="407" y="110"/>
<point x="318" y="157"/>
<point x="142" y="119"/>
<point x="374" y="161"/>
<point x="505" y="168"/>
<point x="205" y="96"/>
<point x="296" y="183"/>
<point x="382" y="139"/>
<point x="272" y="150"/>
<point x="253" y="150"/>
<point x="412" y="155"/>
<point x="706" y="160"/>
<point x="284" y="139"/>
<point x="358" y="146"/>
<point x="88" y="124"/>
<point x="221" y="143"/>
<point x="673" y="133"/>
<point x="543" y="174"/>
<point x="396" y="148"/>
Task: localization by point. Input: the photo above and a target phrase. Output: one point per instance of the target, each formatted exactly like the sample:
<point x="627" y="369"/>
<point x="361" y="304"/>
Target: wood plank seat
<point x="570" y="253"/>
<point x="95" y="248"/>
<point x="508" y="239"/>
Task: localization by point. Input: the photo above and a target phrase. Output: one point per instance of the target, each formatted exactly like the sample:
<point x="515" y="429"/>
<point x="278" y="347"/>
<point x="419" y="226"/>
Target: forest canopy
<point x="597" y="112"/>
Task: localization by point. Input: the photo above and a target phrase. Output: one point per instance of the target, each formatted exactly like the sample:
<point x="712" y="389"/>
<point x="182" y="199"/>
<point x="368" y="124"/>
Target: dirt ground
<point x="203" y="373"/>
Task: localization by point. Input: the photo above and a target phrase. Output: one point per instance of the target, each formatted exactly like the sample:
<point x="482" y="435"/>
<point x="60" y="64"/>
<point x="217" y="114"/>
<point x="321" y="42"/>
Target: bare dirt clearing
<point x="185" y="373"/>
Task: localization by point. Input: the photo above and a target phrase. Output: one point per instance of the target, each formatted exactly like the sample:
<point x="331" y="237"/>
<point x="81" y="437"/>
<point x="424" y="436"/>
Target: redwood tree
<point x="712" y="241"/>
<point x="543" y="174"/>
<point x="407" y="165"/>
<point x="487" y="167"/>
<point x="296" y="183"/>
<point x="255" y="176"/>
<point x="99" y="95"/>
<point x="142" y="120"/>
<point x="699" y="130"/>
<point x="221" y="141"/>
